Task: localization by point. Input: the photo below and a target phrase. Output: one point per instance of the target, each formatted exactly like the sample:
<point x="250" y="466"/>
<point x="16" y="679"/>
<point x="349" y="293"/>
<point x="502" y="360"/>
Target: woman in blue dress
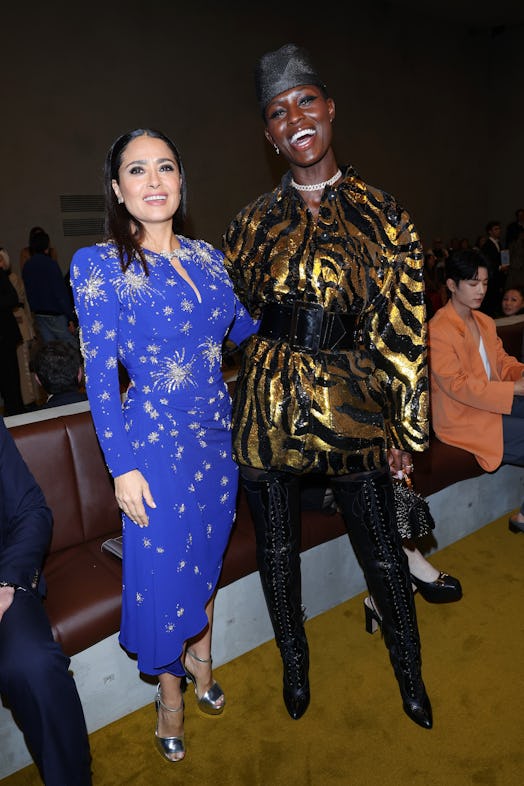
<point x="162" y="305"/>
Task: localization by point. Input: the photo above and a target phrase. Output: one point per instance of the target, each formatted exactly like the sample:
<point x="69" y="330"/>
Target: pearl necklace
<point x="317" y="186"/>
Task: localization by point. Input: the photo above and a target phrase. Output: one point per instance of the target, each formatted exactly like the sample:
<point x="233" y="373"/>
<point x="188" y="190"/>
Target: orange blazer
<point x="466" y="406"/>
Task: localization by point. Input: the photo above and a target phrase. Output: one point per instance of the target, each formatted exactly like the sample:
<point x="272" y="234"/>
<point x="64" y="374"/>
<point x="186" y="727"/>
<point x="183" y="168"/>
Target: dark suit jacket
<point x="25" y="519"/>
<point x="9" y="330"/>
<point x="46" y="290"/>
<point x="67" y="397"/>
<point x="492" y="301"/>
<point x="491" y="253"/>
<point x="513" y="231"/>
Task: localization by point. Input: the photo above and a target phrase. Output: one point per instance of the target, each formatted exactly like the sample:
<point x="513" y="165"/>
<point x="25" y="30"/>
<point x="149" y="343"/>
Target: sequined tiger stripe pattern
<point x="399" y="330"/>
<point x="361" y="257"/>
<point x="270" y="244"/>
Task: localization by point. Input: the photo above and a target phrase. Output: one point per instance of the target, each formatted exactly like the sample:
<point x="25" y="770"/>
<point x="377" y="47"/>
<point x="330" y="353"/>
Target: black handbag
<point x="414" y="519"/>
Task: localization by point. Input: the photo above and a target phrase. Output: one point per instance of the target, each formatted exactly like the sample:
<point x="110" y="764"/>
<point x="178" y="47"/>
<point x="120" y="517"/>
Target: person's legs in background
<point x="513" y="440"/>
<point x="42" y="695"/>
<point x="52" y="327"/>
<point x="434" y="585"/>
<point x="10" y="390"/>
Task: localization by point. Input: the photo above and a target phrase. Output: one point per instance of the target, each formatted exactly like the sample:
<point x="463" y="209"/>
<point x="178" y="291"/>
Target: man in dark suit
<point x="515" y="228"/>
<point x="10" y="338"/>
<point x="34" y="679"/>
<point x="491" y="251"/>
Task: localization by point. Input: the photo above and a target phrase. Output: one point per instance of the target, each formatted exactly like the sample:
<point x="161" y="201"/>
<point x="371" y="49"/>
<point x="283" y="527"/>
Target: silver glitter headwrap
<point x="283" y="69"/>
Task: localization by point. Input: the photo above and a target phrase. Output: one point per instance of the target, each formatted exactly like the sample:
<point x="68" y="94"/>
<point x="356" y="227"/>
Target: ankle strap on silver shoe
<point x="164" y="706"/>
<point x="200" y="660"/>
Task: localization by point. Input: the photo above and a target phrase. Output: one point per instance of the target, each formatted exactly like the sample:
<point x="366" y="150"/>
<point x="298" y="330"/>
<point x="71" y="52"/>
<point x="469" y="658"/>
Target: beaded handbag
<point x="414" y="519"/>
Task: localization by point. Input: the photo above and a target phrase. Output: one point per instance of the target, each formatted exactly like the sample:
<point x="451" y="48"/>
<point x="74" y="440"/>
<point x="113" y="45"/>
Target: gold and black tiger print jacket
<point x="333" y="412"/>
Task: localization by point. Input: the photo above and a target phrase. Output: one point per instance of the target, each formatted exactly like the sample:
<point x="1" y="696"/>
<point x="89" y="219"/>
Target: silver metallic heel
<point x="169" y="747"/>
<point x="207" y="703"/>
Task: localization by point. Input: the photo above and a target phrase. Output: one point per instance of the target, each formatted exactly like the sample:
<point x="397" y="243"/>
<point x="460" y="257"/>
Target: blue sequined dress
<point x="174" y="427"/>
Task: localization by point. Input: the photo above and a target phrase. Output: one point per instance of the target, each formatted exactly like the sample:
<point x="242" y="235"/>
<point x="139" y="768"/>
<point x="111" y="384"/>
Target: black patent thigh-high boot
<point x="274" y="502"/>
<point x="367" y="505"/>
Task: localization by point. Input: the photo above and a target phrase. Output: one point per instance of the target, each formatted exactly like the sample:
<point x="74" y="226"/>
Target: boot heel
<point x="372" y="618"/>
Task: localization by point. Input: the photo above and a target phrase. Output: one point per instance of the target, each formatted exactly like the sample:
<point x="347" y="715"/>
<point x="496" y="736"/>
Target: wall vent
<point x="89" y="218"/>
<point x="82" y="203"/>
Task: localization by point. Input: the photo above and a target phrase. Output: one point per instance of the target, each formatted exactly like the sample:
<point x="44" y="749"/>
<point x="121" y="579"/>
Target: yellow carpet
<point x="355" y="732"/>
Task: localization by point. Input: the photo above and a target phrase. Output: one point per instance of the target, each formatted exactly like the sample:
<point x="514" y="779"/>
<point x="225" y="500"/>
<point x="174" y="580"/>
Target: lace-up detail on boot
<point x="274" y="504"/>
<point x="368" y="508"/>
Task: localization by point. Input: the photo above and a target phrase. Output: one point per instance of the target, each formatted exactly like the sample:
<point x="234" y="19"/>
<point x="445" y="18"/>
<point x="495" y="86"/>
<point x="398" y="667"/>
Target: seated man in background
<point x="58" y="369"/>
<point x="34" y="678"/>
<point x="477" y="388"/>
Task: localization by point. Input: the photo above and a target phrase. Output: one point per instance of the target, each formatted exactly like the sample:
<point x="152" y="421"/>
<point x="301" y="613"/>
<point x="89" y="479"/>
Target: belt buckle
<point x="305" y="332"/>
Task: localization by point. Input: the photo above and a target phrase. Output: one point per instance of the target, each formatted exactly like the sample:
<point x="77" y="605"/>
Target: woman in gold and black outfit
<point x="335" y="382"/>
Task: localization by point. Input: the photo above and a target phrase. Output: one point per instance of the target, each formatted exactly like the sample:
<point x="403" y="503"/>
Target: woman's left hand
<point x="400" y="462"/>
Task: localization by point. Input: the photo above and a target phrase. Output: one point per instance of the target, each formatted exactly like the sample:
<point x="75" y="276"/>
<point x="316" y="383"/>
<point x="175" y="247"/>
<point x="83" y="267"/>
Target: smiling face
<point x="512" y="302"/>
<point x="148" y="180"/>
<point x="298" y="122"/>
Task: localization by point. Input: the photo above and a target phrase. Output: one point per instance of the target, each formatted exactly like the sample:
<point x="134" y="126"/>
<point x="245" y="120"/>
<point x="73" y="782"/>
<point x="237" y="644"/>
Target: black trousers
<point x="10" y="379"/>
<point x="513" y="433"/>
<point x="40" y="691"/>
<point x="513" y="436"/>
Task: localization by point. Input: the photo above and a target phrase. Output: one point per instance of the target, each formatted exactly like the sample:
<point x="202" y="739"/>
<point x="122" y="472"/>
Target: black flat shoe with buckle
<point x="445" y="589"/>
<point x="515" y="526"/>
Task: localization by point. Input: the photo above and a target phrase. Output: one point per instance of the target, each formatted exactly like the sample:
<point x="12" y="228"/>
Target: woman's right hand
<point x="131" y="491"/>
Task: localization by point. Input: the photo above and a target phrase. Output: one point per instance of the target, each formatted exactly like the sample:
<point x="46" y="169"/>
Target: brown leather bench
<point x="510" y="330"/>
<point x="84" y="583"/>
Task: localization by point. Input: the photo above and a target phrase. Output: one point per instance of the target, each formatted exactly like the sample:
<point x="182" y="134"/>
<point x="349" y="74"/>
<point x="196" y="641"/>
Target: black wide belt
<point x="308" y="326"/>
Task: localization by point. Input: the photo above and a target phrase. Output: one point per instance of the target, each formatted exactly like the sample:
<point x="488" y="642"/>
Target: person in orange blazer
<point x="477" y="389"/>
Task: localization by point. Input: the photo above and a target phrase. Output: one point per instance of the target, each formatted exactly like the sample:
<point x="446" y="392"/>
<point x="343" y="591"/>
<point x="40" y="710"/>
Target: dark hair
<point x="491" y="224"/>
<point x="464" y="265"/>
<point x="39" y="243"/>
<point x="34" y="231"/>
<point x="118" y="220"/>
<point x="56" y="364"/>
<point x="516" y="288"/>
